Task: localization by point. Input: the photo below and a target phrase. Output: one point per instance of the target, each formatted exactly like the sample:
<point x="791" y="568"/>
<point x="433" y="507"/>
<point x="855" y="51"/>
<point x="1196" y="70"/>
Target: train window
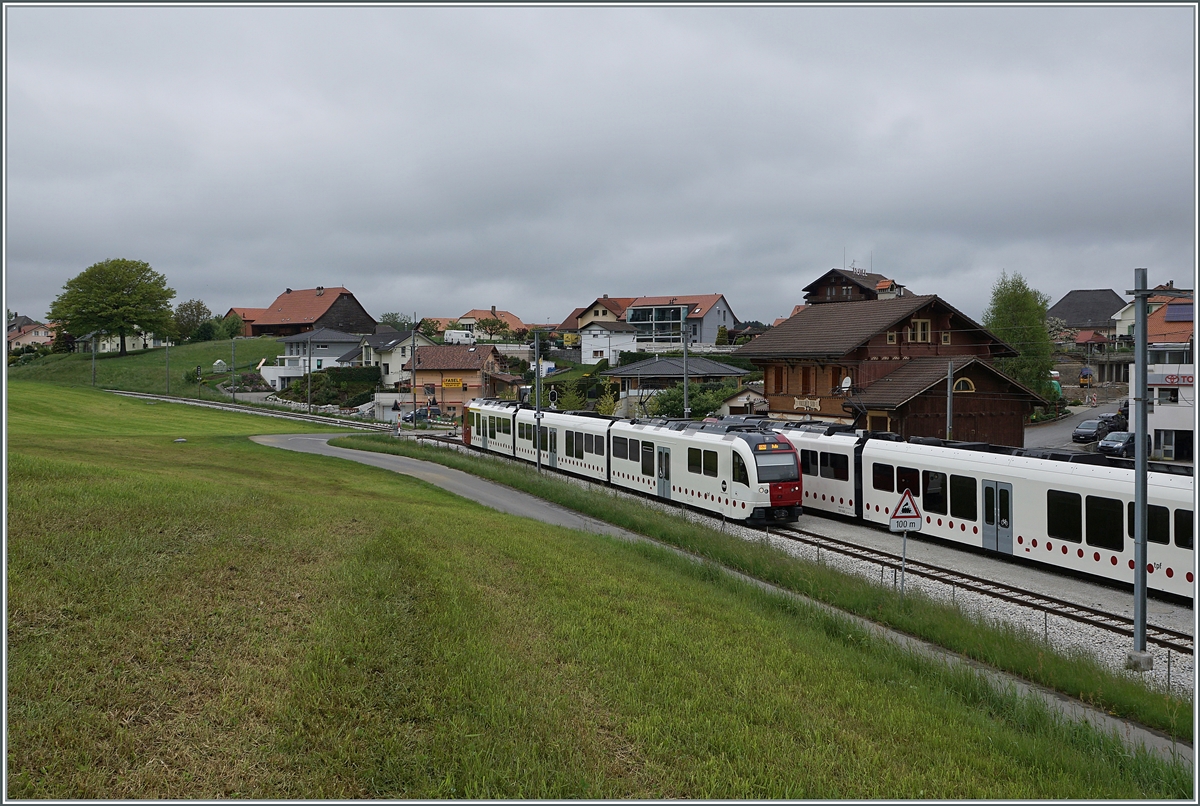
<point x="739" y="470"/>
<point x="963" y="503"/>
<point x="578" y="444"/>
<point x="1105" y="529"/>
<point x="491" y="427"/>
<point x="882" y="478"/>
<point x="620" y="448"/>
<point x="935" y="491"/>
<point x="908" y="478"/>
<point x="989" y="505"/>
<point x="710" y="463"/>
<point x="507" y="426"/>
<point x="1064" y="516"/>
<point x="647" y="458"/>
<point x="694" y="460"/>
<point x="599" y="445"/>
<point x="835" y="466"/>
<point x="635" y="451"/>
<point x="1158" y="523"/>
<point x="1183" y="528"/>
<point x="553" y="440"/>
<point x="808" y="462"/>
<point x="589" y="442"/>
<point x="570" y="443"/>
<point x="779" y="466"/>
<point x="545" y="439"/>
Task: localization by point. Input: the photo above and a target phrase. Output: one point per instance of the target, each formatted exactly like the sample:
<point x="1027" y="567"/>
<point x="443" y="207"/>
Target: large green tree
<point x="189" y="315"/>
<point x="117" y="296"/>
<point x="1017" y="315"/>
<point x="399" y="321"/>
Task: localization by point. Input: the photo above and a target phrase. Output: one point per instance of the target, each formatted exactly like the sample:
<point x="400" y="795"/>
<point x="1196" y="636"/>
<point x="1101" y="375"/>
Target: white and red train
<point x="1072" y="512"/>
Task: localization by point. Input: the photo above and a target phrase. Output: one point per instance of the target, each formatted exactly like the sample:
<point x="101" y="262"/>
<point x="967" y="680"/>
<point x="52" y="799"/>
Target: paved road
<point x="1058" y="433"/>
<point x="508" y="500"/>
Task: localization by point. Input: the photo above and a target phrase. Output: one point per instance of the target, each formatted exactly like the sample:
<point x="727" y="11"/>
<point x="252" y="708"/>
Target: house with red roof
<point x="450" y="375"/>
<point x="300" y="310"/>
<point x="248" y="316"/>
<point x="657" y="319"/>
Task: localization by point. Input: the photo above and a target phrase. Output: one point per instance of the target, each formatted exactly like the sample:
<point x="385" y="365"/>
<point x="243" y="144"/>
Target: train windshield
<point x="776" y="466"/>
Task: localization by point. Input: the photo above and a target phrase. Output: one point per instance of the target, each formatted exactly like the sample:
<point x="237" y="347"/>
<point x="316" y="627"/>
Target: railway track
<point x="284" y="415"/>
<point x="1111" y="622"/>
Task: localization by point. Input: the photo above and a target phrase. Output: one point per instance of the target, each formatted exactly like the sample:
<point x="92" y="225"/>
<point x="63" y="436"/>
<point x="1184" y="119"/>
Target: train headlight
<point x="764" y="489"/>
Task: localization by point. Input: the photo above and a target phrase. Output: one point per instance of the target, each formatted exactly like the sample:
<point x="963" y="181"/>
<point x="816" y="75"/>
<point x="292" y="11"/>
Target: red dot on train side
<point x="851" y="502"/>
<point x="1170" y="573"/>
<point x="1189" y="576"/>
<point x="1131" y="565"/>
<point x="1149" y="568"/>
<point x="1020" y="540"/>
<point x="974" y="530"/>
<point x="1113" y="559"/>
<point x="927" y="518"/>
<point x="1096" y="556"/>
<point x="1080" y="551"/>
<point x="939" y="521"/>
<point x="885" y="510"/>
<point x="743" y="505"/>
<point x="841" y="500"/>
<point x="822" y="496"/>
<point x="1035" y="542"/>
<point x="951" y="524"/>
<point x="1049" y="546"/>
<point x="1064" y="549"/>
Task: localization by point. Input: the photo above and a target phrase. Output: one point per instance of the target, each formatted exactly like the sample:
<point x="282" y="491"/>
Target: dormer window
<point x="964" y="385"/>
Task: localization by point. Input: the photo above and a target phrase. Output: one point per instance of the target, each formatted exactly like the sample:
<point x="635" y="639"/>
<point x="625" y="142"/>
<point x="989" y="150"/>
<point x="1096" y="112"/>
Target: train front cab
<point x="777" y="475"/>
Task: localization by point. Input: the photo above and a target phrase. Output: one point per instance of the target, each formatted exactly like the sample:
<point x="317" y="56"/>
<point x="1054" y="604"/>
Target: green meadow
<point x="214" y="618"/>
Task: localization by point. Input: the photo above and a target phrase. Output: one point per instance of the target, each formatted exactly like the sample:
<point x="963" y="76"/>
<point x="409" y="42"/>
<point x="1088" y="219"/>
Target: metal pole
<point x="950" y="400"/>
<point x="308" y="371"/>
<point x="537" y="394"/>
<point x="687" y="410"/>
<point x="903" y="559"/>
<point x="233" y="368"/>
<point x="167" y="342"/>
<point x="93" y="359"/>
<point x="1141" y="296"/>
<point x="412" y="378"/>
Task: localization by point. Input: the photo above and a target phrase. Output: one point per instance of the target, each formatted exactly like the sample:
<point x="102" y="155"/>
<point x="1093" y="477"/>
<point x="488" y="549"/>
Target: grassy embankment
<point x="219" y="619"/>
<point x="1028" y="656"/>
<point x="146" y="370"/>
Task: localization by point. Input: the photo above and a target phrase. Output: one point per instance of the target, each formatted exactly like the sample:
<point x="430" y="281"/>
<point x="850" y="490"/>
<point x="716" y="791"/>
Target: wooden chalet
<point x="897" y="354"/>
<point x="307" y="309"/>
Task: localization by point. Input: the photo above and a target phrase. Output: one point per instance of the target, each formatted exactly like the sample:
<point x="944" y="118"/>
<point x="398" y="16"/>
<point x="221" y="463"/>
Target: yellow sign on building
<point x="452" y="383"/>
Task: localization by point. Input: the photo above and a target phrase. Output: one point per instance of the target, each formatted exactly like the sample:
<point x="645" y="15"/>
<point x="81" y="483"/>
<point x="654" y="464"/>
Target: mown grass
<point x="220" y="619"/>
<point x="146" y="370"/>
<point x="998" y="645"/>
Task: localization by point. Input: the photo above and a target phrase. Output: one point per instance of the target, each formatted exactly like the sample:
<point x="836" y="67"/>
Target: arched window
<point x="964" y="385"/>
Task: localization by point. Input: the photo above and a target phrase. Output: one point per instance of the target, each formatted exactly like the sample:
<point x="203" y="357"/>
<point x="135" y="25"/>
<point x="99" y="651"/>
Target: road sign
<point x="906" y="517"/>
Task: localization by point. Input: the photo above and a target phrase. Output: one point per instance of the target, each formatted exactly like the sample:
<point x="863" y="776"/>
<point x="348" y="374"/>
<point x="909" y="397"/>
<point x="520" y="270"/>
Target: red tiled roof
<point x="453" y="356"/>
<point x="247" y="315"/>
<point x="300" y="306"/>
<point x="1090" y="336"/>
<point x="511" y="320"/>
<point x="920" y="374"/>
<point x="1160" y="331"/>
<point x="572" y="321"/>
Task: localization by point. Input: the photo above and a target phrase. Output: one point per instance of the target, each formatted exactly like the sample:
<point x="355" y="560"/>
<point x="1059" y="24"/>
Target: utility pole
<point x="412" y="377"/>
<point x="950" y="401"/>
<point x="687" y="410"/>
<point x="93" y="359"/>
<point x="308" y="371"/>
<point x="537" y="394"/>
<point x="167" y="342"/>
<point x="233" y="368"/>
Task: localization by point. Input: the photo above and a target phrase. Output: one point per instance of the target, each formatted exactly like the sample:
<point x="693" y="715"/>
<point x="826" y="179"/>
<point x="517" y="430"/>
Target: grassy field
<point x="219" y="619"/>
<point x="1076" y="675"/>
<point x="146" y="370"/>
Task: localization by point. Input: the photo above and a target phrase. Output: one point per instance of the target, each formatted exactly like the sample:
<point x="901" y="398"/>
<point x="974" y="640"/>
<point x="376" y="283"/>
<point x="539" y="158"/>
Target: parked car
<point x="1054" y="375"/>
<point x="1089" y="431"/>
<point x="1123" y="409"/>
<point x="1115" y="421"/>
<point x="426" y="413"/>
<point x="1118" y="443"/>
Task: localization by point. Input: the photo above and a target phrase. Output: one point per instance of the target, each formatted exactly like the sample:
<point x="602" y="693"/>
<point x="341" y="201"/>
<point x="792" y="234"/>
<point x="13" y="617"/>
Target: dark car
<point x="1123" y="409"/>
<point x="1089" y="431"/>
<point x="1115" y="421"/>
<point x="427" y="413"/>
<point x="1118" y="443"/>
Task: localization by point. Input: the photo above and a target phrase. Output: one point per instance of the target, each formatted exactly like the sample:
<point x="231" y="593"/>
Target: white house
<point x="604" y="341"/>
<point x="389" y="350"/>
<point x="111" y="342"/>
<point x="1171" y="387"/>
<point x="321" y="348"/>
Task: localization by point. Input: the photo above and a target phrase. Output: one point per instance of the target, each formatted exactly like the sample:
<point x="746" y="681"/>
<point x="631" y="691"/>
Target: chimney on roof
<point x="1170" y="283"/>
<point x="493" y="311"/>
<point x="606" y="296"/>
<point x="320" y="290"/>
<point x="288" y="291"/>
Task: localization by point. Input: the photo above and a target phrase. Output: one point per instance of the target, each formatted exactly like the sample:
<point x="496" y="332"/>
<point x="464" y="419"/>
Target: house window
<point x="845" y="291"/>
<point x="920" y="330"/>
<point x="778" y="385"/>
<point x="891" y="337"/>
<point x="597" y="354"/>
<point x="829" y="292"/>
<point x="319" y="363"/>
<point x="1168" y="395"/>
<point x="964" y="385"/>
<point x="808" y="380"/>
<point x="945" y="337"/>
<point x="385" y="369"/>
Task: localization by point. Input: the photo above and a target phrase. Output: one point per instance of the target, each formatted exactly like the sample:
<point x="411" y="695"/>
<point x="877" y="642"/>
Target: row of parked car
<point x="1110" y="431"/>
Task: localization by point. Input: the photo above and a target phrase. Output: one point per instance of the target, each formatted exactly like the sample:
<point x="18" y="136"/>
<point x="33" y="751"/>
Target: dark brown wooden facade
<point x="896" y="354"/>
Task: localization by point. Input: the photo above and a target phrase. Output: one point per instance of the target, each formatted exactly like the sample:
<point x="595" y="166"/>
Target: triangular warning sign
<point x="907" y="508"/>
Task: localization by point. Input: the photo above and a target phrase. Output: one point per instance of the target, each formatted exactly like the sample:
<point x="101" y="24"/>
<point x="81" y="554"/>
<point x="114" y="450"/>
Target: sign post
<point x="906" y="517"/>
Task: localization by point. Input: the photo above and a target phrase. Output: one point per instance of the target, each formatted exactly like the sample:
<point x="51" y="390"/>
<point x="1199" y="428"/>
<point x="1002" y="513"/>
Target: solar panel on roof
<point x="1179" y="312"/>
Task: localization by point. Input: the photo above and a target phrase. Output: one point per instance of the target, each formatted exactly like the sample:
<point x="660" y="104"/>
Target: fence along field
<point x="218" y="619"/>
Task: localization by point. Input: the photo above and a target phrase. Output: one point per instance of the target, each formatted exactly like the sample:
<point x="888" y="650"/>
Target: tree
<point x="490" y="327"/>
<point x="189" y="315"/>
<point x="117" y="296"/>
<point x="570" y="399"/>
<point x="428" y="328"/>
<point x="606" y="404"/>
<point x="722" y="336"/>
<point x="1017" y="316"/>
<point x="206" y="331"/>
<point x="396" y="320"/>
<point x="233" y="326"/>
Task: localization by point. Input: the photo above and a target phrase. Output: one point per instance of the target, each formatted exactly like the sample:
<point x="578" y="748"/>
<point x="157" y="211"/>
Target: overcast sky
<point x="441" y="159"/>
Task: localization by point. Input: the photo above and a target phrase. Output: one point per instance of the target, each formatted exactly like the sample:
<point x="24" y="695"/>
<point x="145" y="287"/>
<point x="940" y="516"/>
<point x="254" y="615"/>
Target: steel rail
<point x="1112" y="622"/>
<point x="247" y="409"/>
